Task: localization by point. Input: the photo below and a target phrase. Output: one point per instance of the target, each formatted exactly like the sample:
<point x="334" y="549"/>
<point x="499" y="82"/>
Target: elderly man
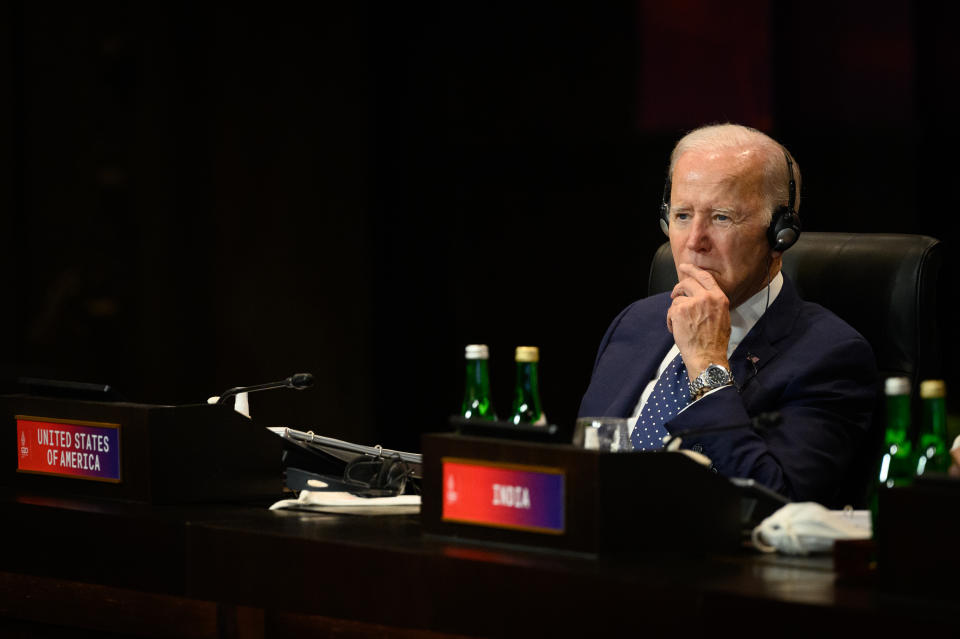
<point x="733" y="339"/>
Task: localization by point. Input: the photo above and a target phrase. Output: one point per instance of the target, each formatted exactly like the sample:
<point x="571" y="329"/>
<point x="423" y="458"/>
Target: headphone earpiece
<point x="665" y="207"/>
<point x="784" y="229"/>
<point x="665" y="219"/>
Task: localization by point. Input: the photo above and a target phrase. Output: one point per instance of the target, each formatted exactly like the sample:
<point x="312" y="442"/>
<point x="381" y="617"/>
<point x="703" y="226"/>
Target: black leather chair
<point x="884" y="286"/>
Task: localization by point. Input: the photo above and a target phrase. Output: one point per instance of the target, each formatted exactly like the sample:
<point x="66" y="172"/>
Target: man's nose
<point x="698" y="239"/>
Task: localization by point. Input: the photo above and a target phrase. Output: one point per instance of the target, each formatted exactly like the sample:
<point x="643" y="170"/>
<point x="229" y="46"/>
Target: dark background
<point x="198" y="196"/>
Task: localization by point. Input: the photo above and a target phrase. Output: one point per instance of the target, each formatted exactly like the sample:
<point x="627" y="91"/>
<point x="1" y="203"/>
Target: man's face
<point x="717" y="219"/>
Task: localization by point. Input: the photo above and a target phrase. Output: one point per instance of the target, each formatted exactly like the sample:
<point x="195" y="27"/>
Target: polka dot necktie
<point x="670" y="394"/>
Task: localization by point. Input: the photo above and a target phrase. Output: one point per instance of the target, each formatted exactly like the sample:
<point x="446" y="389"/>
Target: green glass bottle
<point x="898" y="464"/>
<point x="526" y="393"/>
<point x="932" y="453"/>
<point x="476" y="395"/>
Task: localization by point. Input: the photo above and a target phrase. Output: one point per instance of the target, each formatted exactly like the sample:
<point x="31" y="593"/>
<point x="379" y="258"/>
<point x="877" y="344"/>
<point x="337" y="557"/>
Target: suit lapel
<point x="653" y="344"/>
<point x="759" y="347"/>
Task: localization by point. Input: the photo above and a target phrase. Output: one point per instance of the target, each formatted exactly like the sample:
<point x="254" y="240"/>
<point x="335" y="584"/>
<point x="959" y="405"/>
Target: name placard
<point x="512" y="496"/>
<point x="68" y="448"/>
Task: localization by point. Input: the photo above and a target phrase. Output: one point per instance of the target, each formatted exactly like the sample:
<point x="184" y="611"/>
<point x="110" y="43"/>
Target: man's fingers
<point x="687" y="287"/>
<point x="675" y="308"/>
<point x="701" y="276"/>
<point x="670" y="314"/>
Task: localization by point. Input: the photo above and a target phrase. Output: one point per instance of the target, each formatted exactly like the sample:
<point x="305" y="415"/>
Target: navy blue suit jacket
<point x="799" y="359"/>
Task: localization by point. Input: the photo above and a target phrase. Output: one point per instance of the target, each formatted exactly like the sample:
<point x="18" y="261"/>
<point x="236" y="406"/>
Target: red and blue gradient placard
<point x="503" y="495"/>
<point x="68" y="448"/>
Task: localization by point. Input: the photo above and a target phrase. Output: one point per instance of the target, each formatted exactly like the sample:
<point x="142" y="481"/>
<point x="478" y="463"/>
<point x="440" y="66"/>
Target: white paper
<point x="331" y="499"/>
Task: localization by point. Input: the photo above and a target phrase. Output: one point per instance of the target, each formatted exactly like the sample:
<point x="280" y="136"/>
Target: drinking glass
<point x="606" y="434"/>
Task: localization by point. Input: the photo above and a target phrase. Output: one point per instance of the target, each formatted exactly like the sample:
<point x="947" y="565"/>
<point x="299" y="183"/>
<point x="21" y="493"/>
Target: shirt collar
<point x="743" y="317"/>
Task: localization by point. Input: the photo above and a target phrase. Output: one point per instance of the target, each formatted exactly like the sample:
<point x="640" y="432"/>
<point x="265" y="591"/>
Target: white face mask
<point x="806" y="527"/>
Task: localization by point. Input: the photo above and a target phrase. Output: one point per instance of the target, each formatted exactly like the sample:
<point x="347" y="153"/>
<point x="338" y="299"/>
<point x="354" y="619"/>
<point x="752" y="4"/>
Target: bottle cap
<point x="897" y="386"/>
<point x="477" y="351"/>
<point x="528" y="354"/>
<point x="930" y="388"/>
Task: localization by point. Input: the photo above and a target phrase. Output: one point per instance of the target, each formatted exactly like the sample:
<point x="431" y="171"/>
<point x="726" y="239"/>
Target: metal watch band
<point x="721" y="376"/>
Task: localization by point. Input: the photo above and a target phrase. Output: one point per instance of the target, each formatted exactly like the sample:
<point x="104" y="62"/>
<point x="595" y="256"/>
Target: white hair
<point x="776" y="176"/>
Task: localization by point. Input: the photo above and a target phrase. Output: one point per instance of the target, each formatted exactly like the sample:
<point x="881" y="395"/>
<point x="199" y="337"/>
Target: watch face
<point x="715" y="375"/>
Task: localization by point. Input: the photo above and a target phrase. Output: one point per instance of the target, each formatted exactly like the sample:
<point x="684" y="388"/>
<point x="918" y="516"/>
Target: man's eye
<point x="720" y="217"/>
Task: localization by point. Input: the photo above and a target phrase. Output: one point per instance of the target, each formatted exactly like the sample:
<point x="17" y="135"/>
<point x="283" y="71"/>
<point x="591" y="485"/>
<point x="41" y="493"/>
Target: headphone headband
<point x="792" y="199"/>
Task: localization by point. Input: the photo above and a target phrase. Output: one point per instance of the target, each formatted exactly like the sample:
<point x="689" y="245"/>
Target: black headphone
<point x="784" y="229"/>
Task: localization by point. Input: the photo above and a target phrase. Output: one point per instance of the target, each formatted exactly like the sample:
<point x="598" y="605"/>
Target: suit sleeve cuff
<point x="705" y="395"/>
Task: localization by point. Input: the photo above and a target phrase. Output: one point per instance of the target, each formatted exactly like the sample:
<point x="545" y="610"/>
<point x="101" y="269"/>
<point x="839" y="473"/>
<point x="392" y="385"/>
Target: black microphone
<point x="299" y="381"/>
<point x="763" y="421"/>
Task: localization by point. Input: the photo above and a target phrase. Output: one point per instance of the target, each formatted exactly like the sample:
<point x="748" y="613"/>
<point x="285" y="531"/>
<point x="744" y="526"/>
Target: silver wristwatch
<point x="713" y="376"/>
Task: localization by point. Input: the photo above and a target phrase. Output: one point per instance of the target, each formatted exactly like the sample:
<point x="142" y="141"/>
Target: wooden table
<point x="72" y="565"/>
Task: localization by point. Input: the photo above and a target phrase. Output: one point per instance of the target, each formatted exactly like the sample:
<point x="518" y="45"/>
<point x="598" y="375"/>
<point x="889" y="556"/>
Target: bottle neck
<point x="898" y="421"/>
<point x="478" y="376"/>
<point x="526" y="401"/>
<point x="476" y="395"/>
<point x="932" y="446"/>
<point x="527" y="377"/>
<point x="934" y="416"/>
